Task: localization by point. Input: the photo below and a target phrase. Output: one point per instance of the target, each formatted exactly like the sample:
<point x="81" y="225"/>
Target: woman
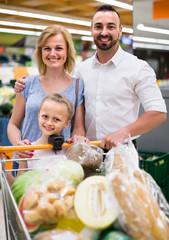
<point x="55" y="56"/>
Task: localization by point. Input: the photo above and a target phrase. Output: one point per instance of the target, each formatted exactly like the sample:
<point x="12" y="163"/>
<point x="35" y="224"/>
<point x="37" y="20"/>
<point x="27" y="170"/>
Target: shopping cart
<point x="14" y="225"/>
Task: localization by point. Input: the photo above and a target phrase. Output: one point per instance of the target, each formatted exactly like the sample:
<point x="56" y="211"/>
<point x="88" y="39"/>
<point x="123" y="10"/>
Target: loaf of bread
<point x="89" y="156"/>
<point x="140" y="214"/>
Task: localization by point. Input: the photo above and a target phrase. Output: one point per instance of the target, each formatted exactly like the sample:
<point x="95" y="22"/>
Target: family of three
<point x="106" y="91"/>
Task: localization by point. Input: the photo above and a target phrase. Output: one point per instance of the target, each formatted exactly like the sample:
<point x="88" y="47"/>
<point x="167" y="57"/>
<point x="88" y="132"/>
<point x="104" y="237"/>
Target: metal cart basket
<point x="14" y="225"/>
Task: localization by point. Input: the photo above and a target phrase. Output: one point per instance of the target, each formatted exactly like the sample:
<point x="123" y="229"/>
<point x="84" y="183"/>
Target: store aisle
<point x="2" y="223"/>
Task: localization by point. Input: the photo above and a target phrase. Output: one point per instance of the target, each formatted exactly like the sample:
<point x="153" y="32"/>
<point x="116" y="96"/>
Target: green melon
<point x="69" y="170"/>
<point x="19" y="185"/>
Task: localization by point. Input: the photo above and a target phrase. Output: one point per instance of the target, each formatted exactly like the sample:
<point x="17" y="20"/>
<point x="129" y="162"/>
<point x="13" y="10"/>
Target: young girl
<point x="55" y="114"/>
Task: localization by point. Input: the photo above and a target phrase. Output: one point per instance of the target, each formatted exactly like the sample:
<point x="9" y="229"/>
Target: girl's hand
<point x="77" y="138"/>
<point x="19" y="84"/>
<point x="26" y="153"/>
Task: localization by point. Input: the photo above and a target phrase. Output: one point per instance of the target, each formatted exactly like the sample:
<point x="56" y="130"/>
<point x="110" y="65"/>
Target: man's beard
<point x="105" y="46"/>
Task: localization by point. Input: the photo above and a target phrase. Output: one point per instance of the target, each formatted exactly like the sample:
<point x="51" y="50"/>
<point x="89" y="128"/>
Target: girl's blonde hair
<point x="51" y="31"/>
<point x="55" y="97"/>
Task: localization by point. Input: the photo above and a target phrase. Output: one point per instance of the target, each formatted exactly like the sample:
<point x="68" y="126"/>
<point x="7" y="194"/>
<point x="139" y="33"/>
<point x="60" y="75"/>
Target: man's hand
<point x="26" y="153"/>
<point x="112" y="139"/>
<point x="19" y="84"/>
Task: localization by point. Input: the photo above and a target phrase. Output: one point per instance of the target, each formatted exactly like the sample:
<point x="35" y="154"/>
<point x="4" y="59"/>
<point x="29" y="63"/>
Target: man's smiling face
<point x="106" y="29"/>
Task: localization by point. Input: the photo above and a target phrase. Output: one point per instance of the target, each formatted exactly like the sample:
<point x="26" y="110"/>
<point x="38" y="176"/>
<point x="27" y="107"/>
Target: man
<point x="115" y="84"/>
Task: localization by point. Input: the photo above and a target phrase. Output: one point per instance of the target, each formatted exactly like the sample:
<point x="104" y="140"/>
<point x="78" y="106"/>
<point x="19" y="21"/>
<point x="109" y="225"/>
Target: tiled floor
<point x="2" y="223"/>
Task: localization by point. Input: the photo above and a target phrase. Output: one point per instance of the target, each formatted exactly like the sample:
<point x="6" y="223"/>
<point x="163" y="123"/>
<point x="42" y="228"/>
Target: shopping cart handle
<point x="36" y="147"/>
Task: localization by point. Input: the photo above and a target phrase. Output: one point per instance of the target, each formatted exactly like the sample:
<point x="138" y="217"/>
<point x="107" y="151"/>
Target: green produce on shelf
<point x="151" y="158"/>
<point x="7" y="100"/>
<point x="6" y="108"/>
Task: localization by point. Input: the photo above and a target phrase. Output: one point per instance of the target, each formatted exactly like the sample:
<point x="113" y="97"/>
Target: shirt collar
<point x="114" y="60"/>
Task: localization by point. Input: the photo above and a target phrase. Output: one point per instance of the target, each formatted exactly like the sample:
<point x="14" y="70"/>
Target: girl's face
<point x="54" y="51"/>
<point x="53" y="117"/>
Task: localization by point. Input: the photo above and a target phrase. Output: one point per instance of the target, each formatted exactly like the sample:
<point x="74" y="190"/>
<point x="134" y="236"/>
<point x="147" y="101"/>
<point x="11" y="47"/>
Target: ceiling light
<point x="127" y="30"/>
<point x="38" y="27"/>
<point x="151" y="40"/>
<point x="45" y="17"/>
<point x="117" y="4"/>
<point x="150" y="46"/>
<point x="80" y="32"/>
<point x="17" y="31"/>
<point x="23" y="25"/>
<point x="41" y="27"/>
<point x="152" y="29"/>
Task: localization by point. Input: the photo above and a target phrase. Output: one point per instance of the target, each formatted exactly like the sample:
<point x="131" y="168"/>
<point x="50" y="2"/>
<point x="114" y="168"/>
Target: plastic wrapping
<point x="48" y="199"/>
<point x="49" y="196"/>
<point x="59" y="235"/>
<point x="122" y="158"/>
<point x="140" y="215"/>
<point x="62" y="166"/>
<point x="143" y="208"/>
<point x="89" y="156"/>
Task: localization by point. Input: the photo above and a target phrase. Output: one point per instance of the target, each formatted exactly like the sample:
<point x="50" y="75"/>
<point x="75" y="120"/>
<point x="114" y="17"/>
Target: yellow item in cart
<point x="94" y="204"/>
<point x="71" y="222"/>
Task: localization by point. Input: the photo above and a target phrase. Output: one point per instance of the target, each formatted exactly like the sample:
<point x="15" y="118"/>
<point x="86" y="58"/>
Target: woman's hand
<point x="77" y="138"/>
<point x="26" y="153"/>
<point x="19" y="84"/>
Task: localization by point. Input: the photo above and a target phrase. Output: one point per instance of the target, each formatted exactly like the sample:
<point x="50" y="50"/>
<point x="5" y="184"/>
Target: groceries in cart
<point x="59" y="234"/>
<point x="143" y="208"/>
<point x="45" y="196"/>
<point x="89" y="156"/>
<point x="59" y="196"/>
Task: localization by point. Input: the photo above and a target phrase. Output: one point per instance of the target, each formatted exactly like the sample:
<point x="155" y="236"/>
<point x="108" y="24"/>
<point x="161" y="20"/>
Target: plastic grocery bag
<point x="122" y="158"/>
<point x="48" y="196"/>
<point x="89" y="156"/>
<point x="140" y="215"/>
<point x="143" y="208"/>
<point x="59" y="235"/>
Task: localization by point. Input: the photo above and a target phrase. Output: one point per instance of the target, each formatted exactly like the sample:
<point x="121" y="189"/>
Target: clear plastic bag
<point x="122" y="158"/>
<point x="143" y="208"/>
<point x="89" y="156"/>
<point x="59" y="235"/>
<point x="49" y="196"/>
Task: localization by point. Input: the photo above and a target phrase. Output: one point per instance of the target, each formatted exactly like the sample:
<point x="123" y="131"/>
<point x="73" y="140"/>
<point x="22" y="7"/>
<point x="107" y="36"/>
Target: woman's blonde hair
<point x="55" y="97"/>
<point x="51" y="31"/>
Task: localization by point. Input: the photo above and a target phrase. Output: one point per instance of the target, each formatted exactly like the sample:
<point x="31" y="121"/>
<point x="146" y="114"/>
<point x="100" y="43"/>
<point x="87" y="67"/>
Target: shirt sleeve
<point x="26" y="90"/>
<point x="148" y="90"/>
